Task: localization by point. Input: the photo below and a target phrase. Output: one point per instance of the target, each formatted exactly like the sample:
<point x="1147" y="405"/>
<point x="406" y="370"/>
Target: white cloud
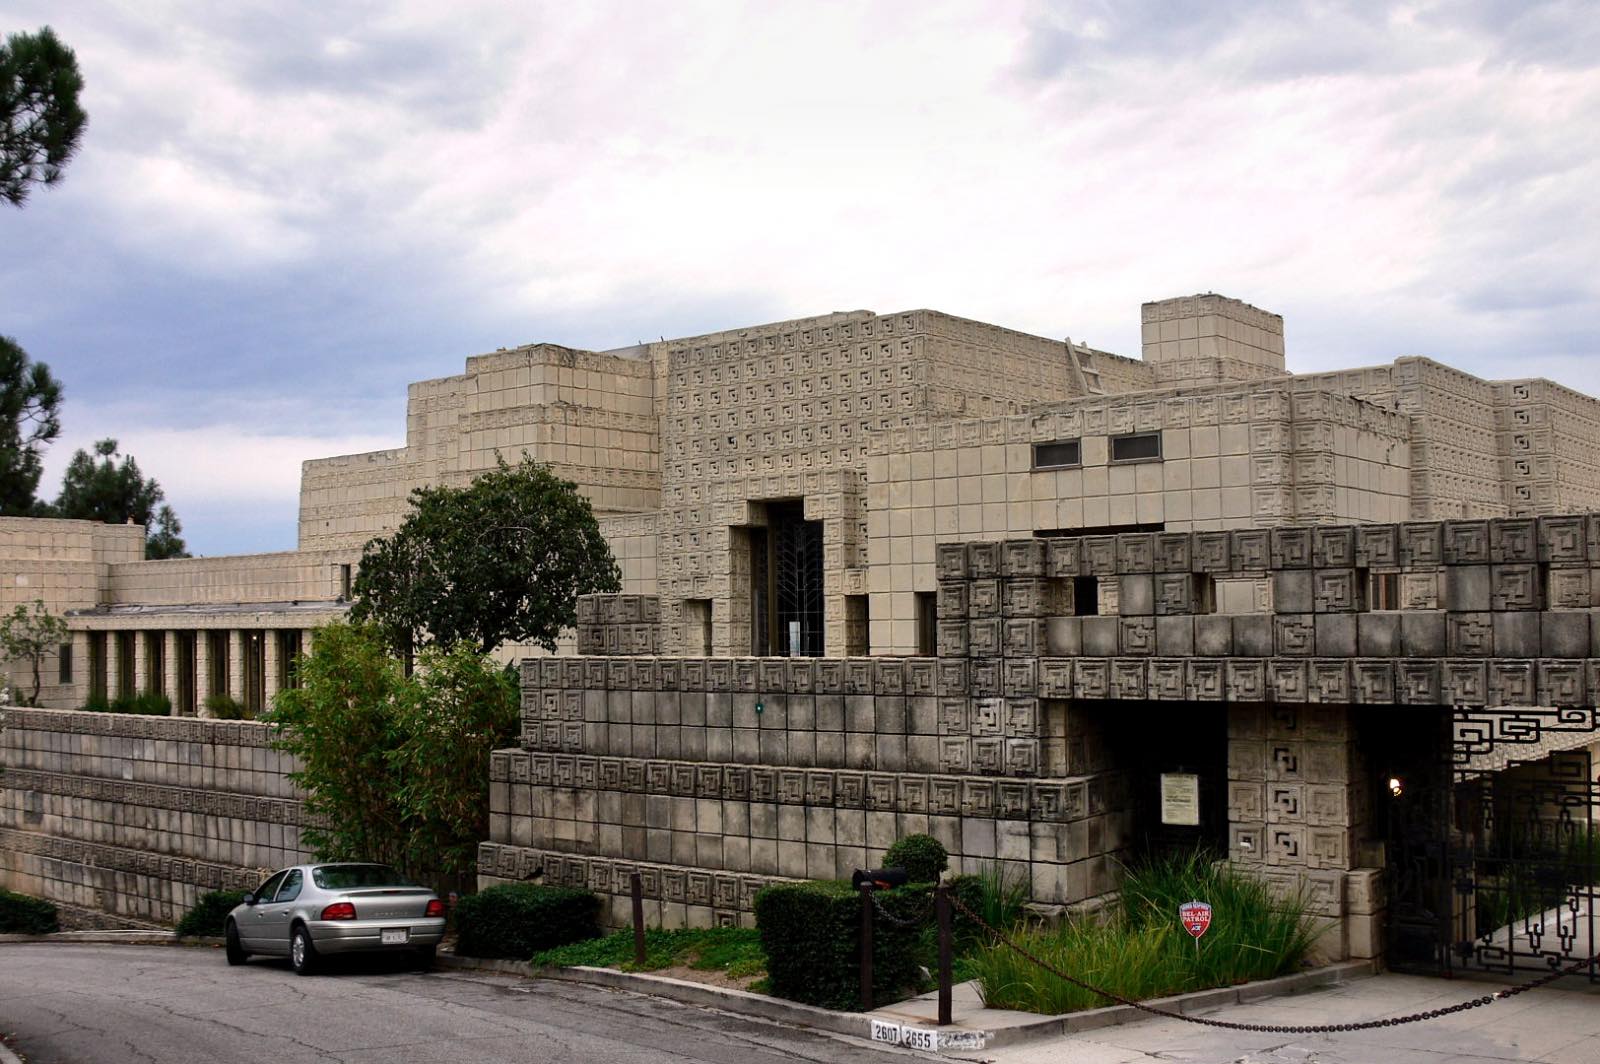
<point x="221" y="464"/>
<point x="1406" y="180"/>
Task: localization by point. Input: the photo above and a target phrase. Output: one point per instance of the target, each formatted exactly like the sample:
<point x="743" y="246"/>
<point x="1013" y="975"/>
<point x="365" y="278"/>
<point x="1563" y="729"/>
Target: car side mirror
<point x="249" y="899"/>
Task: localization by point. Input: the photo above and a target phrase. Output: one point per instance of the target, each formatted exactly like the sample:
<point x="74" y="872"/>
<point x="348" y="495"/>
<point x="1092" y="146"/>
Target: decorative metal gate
<point x="1494" y="863"/>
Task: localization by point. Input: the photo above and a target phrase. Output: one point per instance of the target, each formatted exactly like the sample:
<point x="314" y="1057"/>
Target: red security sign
<point x="1195" y="917"/>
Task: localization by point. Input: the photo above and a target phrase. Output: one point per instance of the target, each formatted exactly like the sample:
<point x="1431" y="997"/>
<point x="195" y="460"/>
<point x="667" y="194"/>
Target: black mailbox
<point x="880" y="878"/>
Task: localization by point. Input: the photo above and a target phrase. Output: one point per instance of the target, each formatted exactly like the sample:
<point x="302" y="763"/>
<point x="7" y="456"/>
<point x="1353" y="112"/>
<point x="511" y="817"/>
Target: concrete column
<point x="169" y="664"/>
<point x="113" y="666"/>
<point x="269" y="666"/>
<point x="141" y="663"/>
<point x="202" y="672"/>
<point x="82" y="670"/>
<point x="236" y="663"/>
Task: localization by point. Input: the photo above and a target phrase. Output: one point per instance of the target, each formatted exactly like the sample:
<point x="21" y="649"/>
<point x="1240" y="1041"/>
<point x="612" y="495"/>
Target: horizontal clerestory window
<point x="1140" y="447"/>
<point x="1057" y="455"/>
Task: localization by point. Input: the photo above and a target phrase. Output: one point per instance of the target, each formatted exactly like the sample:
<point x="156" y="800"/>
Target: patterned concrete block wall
<point x="785" y="412"/>
<point x="619" y="624"/>
<point x="591" y="415"/>
<point x="65" y="565"/>
<point x="1232" y="456"/>
<point x="287" y="576"/>
<point x="738" y="768"/>
<point x="133" y="817"/>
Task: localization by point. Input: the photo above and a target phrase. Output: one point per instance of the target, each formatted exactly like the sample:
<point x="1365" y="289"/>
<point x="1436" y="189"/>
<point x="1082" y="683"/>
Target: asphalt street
<point x="71" y="1004"/>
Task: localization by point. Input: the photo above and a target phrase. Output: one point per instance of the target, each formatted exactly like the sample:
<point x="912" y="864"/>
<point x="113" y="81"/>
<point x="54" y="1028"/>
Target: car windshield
<point x="353" y="876"/>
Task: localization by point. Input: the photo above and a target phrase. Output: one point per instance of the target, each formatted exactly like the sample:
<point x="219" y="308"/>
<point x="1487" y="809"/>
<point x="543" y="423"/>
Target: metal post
<point x="941" y="905"/>
<point x="866" y="947"/>
<point x="637" y="886"/>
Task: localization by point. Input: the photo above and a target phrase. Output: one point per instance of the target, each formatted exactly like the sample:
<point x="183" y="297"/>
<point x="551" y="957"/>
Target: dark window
<point x="927" y="624"/>
<point x="1057" y="455"/>
<point x="1086" y="596"/>
<point x="857" y="627"/>
<point x="267" y="890"/>
<point x="1205" y="593"/>
<point x="1383" y="591"/>
<point x="64" y="660"/>
<point x="355" y="876"/>
<point x="1144" y="447"/>
<point x="291" y="887"/>
<point x="344" y="581"/>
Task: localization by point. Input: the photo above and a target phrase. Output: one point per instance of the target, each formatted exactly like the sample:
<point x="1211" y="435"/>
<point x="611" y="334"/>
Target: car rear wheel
<point x="231" y="946"/>
<point x="302" y="954"/>
<point x="426" y="955"/>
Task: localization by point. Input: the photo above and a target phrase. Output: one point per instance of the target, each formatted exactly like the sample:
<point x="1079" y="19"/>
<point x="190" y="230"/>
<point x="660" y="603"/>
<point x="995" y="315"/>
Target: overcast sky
<point x="284" y="212"/>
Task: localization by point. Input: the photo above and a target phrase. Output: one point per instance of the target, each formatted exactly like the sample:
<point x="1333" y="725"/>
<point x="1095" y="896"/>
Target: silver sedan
<point x="309" y="911"/>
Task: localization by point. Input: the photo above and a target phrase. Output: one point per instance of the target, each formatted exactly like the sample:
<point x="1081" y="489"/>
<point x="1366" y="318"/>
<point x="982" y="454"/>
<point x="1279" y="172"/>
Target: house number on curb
<point x="912" y="1037"/>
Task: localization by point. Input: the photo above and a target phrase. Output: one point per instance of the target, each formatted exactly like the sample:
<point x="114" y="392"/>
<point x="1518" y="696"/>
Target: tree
<point x="40" y="120"/>
<point x="167" y="539"/>
<point x="501" y="560"/>
<point x="395" y="768"/>
<point x="30" y="403"/>
<point x="100" y="488"/>
<point x="30" y="637"/>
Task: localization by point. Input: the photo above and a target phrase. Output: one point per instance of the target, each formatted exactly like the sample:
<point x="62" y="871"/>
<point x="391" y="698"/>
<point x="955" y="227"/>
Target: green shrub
<point x="226" y="707"/>
<point x="922" y="856"/>
<point x="209" y="915"/>
<point x="810" y="933"/>
<point x="148" y="704"/>
<point x="22" y="915"/>
<point x="517" y="920"/>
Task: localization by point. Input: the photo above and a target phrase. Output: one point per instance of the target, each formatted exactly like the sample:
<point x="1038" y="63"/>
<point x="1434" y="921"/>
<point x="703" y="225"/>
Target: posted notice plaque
<point x="1180" y="799"/>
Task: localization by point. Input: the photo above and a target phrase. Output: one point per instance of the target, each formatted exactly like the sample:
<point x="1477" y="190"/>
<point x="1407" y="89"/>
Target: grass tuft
<point x="734" y="951"/>
<point x="1141" y="952"/>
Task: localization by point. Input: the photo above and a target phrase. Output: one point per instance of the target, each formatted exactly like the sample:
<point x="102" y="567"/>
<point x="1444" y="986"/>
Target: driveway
<point x="71" y="1004"/>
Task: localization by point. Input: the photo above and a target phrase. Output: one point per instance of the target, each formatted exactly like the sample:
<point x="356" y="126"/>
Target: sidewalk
<point x="1552" y="1025"/>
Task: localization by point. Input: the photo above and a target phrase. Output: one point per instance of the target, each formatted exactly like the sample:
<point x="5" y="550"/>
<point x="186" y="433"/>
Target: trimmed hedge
<point x="22" y="915"/>
<point x="810" y="933"/>
<point x="210" y="914"/>
<point x="922" y="856"/>
<point x="517" y="920"/>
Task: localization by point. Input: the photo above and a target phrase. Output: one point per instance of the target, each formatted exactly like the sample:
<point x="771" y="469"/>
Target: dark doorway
<point x="1177" y="739"/>
<point x="786" y="583"/>
<point x="254" y="645"/>
<point x="183" y="698"/>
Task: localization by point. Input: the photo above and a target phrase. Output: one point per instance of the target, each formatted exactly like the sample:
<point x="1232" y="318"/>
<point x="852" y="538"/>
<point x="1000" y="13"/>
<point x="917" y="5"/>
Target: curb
<point x="111" y="938"/>
<point x="862" y="1024"/>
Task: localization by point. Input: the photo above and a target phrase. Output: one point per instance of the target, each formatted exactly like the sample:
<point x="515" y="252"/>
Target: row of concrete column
<point x="159" y="664"/>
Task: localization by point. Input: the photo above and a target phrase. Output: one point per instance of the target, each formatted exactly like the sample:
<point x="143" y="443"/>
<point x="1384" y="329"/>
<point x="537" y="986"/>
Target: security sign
<point x="1195" y="917"/>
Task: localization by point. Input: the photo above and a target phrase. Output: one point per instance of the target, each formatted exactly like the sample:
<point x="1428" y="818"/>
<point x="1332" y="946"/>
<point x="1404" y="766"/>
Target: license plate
<point x="394" y="936"/>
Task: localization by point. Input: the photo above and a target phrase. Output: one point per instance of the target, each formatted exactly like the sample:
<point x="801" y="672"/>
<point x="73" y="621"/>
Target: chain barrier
<point x="1274" y="1028"/>
<point x="900" y="921"/>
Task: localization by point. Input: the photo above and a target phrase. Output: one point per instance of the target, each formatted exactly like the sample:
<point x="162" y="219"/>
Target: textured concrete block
<point x="1336" y="635"/>
<point x="1063" y="637"/>
<point x="1378" y="635"/>
<point x="1423" y="634"/>
<point x="1175" y="636"/>
<point x="1467" y="588"/>
<point x="1253" y="636"/>
<point x="1564" y="634"/>
<point x="1516" y="635"/>
<point x="1101" y="636"/>
<point x="1136" y="595"/>
<point x="1292" y="592"/>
